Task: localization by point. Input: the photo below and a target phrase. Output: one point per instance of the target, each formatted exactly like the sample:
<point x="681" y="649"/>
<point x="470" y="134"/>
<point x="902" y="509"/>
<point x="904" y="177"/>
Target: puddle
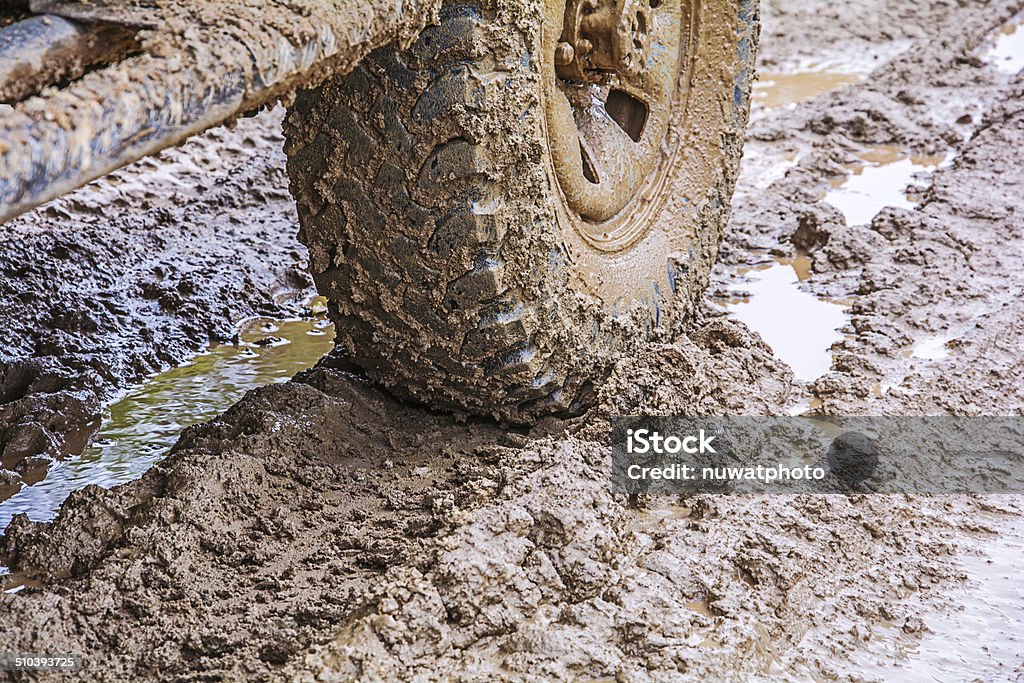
<point x="805" y="78"/>
<point x="880" y="179"/>
<point x="668" y="511"/>
<point x="761" y="167"/>
<point x="798" y="326"/>
<point x="1007" y="54"/>
<point x="776" y="89"/>
<point x="984" y="637"/>
<point x="701" y="606"/>
<point x="807" y="406"/>
<point x="15" y="583"/>
<point x="934" y="348"/>
<point x="981" y="640"/>
<point x="139" y="429"/>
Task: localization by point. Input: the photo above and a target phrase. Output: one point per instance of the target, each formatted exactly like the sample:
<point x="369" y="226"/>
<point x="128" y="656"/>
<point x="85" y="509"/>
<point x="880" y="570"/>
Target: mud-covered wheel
<point x="530" y="189"/>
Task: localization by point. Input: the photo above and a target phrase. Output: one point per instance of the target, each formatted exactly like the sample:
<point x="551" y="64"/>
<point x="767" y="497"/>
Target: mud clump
<point x="269" y="543"/>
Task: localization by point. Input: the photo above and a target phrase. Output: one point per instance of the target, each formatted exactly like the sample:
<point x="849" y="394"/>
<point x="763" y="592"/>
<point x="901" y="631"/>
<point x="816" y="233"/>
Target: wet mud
<point x="934" y="264"/>
<point x="141" y="426"/>
<point x="322" y="530"/>
<point x="134" y="274"/>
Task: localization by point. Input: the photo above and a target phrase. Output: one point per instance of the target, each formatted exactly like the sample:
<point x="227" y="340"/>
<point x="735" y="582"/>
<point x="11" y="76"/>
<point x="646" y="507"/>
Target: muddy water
<point x="139" y="429"/>
<point x="981" y="637"/>
<point x="1007" y="51"/>
<point x="776" y="89"/>
<point x="933" y="348"/>
<point x="883" y="176"/>
<point x="798" y="326"/>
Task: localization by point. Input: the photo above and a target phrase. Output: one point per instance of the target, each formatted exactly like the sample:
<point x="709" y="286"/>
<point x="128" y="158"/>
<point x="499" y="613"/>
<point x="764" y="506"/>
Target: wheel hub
<point x="610" y="35"/>
<point x="611" y="70"/>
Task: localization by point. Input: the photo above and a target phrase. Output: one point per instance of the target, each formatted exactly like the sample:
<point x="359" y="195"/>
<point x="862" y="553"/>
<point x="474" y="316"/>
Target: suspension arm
<point x="201" y="64"/>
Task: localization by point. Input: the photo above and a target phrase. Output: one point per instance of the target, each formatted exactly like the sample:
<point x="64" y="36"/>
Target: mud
<point x="937" y="270"/>
<point x="321" y="530"/>
<point x="134" y="274"/>
<point x="140" y="427"/>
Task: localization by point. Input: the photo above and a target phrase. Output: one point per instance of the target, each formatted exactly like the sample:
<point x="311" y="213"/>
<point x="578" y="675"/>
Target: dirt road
<point x="320" y="530"/>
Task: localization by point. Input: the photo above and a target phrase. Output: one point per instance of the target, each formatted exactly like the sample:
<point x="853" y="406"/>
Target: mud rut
<point x="320" y="528"/>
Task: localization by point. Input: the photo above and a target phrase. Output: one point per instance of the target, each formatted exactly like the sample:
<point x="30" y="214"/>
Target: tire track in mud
<point x="930" y="272"/>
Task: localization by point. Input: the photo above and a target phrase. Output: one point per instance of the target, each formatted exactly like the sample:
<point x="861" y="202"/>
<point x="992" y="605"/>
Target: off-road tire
<point x="437" y="231"/>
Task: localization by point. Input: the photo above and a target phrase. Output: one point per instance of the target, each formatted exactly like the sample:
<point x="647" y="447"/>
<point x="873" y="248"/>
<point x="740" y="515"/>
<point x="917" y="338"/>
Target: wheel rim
<point x="610" y="73"/>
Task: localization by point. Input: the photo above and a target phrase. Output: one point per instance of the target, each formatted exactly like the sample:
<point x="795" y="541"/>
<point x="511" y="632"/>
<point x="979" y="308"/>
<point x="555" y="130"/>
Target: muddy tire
<point x="448" y="221"/>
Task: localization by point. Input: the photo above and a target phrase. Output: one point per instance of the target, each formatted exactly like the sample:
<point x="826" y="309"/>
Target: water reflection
<point x="880" y="179"/>
<point x="1007" y="53"/>
<point x="798" y="326"/>
<point x="141" y="427"/>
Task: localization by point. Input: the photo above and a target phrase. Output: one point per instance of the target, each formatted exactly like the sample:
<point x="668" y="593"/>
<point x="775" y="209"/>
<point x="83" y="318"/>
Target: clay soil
<point x="323" y="530"/>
